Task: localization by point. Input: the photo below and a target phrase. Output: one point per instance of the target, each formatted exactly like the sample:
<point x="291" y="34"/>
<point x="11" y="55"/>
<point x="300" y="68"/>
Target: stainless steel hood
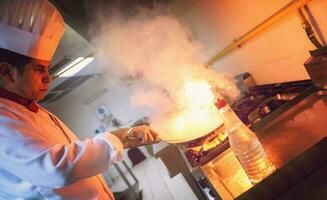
<point x="71" y="46"/>
<point x="79" y="16"/>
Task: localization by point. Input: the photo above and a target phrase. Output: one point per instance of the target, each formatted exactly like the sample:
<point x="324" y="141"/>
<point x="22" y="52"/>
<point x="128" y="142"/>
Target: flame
<point x="198" y="95"/>
<point x="196" y="114"/>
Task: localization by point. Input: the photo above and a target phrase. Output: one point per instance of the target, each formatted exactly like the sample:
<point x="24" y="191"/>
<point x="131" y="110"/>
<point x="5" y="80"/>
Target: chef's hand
<point x="137" y="136"/>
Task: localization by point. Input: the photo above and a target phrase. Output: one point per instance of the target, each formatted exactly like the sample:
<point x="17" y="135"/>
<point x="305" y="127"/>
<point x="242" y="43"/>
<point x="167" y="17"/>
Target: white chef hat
<point x="30" y="27"/>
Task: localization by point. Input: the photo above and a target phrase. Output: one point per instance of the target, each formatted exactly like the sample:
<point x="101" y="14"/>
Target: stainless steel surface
<point x="244" y="81"/>
<point x="296" y="130"/>
<point x="302" y="178"/>
<point x="283" y="108"/>
<point x="227" y="176"/>
<point x="322" y="92"/>
<point x="284" y="139"/>
<point x="287" y="96"/>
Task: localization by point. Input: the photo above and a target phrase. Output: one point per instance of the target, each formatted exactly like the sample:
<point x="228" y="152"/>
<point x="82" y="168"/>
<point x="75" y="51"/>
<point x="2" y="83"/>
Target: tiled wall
<point x="276" y="55"/>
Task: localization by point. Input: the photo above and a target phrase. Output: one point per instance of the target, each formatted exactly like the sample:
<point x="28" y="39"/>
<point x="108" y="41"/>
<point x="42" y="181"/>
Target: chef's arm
<point x="136" y="136"/>
<point x="42" y="162"/>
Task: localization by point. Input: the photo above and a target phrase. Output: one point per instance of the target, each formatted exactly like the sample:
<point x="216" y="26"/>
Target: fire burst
<point x="196" y="114"/>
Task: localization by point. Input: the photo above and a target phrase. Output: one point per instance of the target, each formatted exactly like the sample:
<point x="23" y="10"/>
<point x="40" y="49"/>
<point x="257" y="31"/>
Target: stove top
<point x="264" y="103"/>
<point x="257" y="108"/>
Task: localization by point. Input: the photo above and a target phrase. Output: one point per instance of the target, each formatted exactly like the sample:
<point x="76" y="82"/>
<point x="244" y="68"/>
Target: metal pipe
<point x="121" y="173"/>
<point x="308" y="30"/>
<point x="314" y="24"/>
<point x="294" y="5"/>
<point x="130" y="172"/>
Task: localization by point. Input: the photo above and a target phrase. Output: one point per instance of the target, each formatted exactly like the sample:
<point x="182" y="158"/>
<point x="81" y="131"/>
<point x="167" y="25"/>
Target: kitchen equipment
<point x="203" y="149"/>
<point x="265" y="102"/>
<point x="189" y="128"/>
<point x="244" y="81"/>
<point x="196" y="117"/>
<point x="316" y="67"/>
<point x="207" y="137"/>
<point x="257" y="108"/>
<point x="297" y="109"/>
<point x="194" y="114"/>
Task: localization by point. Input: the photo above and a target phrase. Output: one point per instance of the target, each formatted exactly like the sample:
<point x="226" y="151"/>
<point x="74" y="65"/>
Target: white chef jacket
<point x="39" y="160"/>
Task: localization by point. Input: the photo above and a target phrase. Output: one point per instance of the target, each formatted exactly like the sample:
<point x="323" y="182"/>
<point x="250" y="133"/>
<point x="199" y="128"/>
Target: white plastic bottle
<point x="245" y="145"/>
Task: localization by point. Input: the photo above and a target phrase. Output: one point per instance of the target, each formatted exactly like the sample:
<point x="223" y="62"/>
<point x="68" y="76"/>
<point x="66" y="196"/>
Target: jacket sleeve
<point x="30" y="157"/>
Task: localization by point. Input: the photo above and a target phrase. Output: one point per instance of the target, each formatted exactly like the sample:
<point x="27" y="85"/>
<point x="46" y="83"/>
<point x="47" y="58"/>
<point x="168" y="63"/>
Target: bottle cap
<point x="220" y="103"/>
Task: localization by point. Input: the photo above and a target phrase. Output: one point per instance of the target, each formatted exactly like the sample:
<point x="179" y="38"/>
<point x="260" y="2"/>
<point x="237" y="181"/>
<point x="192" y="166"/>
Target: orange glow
<point x="196" y="115"/>
<point x="198" y="95"/>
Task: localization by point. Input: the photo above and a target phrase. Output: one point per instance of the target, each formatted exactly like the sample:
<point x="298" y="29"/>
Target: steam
<point x="155" y="55"/>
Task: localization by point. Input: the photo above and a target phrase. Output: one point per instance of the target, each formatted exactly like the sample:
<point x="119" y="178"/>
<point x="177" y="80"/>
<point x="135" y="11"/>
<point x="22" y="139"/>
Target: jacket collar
<point x="31" y="105"/>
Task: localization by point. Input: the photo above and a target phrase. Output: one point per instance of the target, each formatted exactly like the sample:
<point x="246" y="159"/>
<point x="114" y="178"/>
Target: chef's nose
<point x="47" y="78"/>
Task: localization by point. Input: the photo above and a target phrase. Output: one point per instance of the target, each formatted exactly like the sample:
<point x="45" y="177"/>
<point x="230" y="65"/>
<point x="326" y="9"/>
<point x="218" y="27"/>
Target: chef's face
<point x="33" y="82"/>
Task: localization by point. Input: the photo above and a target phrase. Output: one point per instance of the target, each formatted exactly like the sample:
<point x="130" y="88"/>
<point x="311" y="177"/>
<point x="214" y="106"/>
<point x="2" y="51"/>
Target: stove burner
<point x="268" y="105"/>
<point x="201" y="157"/>
<point x="259" y="107"/>
<point x="265" y="110"/>
<point x="265" y="99"/>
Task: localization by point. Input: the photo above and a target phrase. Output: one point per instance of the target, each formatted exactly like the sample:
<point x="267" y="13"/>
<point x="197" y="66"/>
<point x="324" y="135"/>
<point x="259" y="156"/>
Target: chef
<point x="40" y="158"/>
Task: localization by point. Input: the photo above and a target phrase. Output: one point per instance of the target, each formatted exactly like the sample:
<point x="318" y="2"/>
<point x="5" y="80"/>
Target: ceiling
<point x="81" y="14"/>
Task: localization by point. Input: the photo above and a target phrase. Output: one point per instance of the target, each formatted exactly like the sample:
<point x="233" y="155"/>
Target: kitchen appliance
<point x="316" y="67"/>
<point x="265" y="102"/>
<point x="257" y="108"/>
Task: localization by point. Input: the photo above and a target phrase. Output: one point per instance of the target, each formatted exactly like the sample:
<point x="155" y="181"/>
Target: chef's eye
<point x="41" y="70"/>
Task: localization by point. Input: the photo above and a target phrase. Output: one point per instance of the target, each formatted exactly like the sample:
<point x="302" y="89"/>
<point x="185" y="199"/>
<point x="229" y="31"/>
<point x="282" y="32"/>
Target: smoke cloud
<point x="155" y="55"/>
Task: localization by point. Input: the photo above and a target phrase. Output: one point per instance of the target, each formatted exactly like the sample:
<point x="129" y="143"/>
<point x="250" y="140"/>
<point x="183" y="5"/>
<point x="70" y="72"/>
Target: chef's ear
<point x="7" y="72"/>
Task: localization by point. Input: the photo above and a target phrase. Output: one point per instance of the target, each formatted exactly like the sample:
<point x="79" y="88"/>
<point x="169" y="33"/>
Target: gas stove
<point x="264" y="103"/>
<point x="259" y="106"/>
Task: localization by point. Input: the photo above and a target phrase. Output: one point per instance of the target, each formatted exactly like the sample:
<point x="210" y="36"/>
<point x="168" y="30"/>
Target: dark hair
<point x="14" y="59"/>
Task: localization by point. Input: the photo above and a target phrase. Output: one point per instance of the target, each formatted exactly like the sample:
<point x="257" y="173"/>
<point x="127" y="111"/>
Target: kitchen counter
<point x="286" y="139"/>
